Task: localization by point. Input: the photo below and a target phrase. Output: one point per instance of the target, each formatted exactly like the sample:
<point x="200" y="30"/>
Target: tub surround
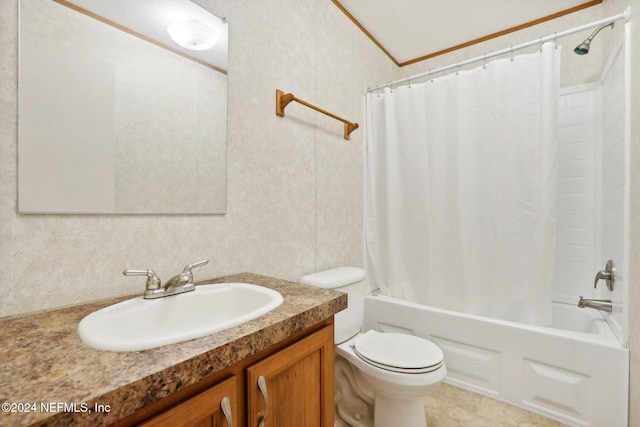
<point x="557" y="372"/>
<point x="45" y="360"/>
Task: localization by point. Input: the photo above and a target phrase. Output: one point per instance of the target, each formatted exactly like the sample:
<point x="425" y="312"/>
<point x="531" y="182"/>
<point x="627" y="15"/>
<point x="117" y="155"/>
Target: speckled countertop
<point x="43" y="359"/>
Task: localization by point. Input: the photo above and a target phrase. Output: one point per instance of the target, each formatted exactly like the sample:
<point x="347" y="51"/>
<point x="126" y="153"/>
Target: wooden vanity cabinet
<point x="213" y="407"/>
<point x="297" y="377"/>
<point x="299" y="385"/>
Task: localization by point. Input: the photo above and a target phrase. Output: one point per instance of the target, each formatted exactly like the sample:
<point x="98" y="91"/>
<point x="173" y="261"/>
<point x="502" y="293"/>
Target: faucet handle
<point x="188" y="268"/>
<point x="608" y="274"/>
<point x="153" y="281"/>
<point x="187" y="275"/>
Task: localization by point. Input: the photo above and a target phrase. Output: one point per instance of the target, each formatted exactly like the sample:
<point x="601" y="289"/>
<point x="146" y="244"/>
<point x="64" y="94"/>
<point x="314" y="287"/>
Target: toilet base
<point x="386" y="412"/>
<point x="355" y="418"/>
<point x="396" y="412"/>
<point x="355" y="407"/>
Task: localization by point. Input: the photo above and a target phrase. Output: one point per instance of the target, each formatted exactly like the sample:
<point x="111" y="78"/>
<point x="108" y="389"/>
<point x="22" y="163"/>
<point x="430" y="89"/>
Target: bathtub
<point x="575" y="372"/>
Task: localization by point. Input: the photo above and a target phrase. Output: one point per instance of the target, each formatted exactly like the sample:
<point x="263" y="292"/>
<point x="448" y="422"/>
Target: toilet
<point x="383" y="377"/>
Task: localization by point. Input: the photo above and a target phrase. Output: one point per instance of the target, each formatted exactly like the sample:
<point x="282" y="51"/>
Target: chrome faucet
<point x="178" y="284"/>
<point x="598" y="304"/>
<point x="183" y="282"/>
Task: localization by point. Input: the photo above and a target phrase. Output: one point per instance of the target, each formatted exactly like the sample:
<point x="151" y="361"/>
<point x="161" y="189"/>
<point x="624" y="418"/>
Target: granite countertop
<point x="45" y="364"/>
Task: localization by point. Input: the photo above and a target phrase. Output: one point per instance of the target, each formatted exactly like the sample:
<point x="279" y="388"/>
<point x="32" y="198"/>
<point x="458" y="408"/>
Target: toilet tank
<point x="351" y="280"/>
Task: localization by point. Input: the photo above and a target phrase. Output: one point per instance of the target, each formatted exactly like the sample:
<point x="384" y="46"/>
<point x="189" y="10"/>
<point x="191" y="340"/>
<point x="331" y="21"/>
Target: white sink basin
<point x="140" y="324"/>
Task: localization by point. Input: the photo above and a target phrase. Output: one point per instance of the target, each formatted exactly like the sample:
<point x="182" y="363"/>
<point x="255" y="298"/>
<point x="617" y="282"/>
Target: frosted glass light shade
<point x="193" y="35"/>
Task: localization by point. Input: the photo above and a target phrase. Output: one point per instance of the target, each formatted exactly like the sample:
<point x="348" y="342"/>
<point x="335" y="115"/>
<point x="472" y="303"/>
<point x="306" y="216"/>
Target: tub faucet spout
<point x="598" y="304"/>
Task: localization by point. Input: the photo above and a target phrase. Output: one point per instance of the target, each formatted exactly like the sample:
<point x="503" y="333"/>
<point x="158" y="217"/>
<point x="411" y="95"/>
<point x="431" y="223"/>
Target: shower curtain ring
<point x="540" y="43"/>
<point x="511" y="53"/>
<point x="484" y="60"/>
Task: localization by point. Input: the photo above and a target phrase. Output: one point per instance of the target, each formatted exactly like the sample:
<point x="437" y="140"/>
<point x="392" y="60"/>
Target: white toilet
<point x="383" y="376"/>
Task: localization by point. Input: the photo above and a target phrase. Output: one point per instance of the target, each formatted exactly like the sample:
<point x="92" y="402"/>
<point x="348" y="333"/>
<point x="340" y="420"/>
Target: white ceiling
<point x="412" y="29"/>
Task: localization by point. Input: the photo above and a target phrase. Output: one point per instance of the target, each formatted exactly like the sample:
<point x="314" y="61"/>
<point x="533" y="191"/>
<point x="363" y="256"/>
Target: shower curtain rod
<point x="541" y="40"/>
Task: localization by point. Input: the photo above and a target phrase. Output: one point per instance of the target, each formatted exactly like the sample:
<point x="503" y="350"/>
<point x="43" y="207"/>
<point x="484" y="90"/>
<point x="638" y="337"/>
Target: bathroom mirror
<point x="117" y="116"/>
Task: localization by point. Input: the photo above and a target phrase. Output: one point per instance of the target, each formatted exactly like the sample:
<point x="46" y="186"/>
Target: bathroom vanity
<point x="279" y="365"/>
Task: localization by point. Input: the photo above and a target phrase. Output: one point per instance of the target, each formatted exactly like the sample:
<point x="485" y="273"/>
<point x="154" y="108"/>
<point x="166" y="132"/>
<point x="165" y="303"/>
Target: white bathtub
<point x="575" y="373"/>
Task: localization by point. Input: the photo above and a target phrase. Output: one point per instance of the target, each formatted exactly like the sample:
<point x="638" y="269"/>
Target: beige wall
<point x="574" y="69"/>
<point x="294" y="185"/>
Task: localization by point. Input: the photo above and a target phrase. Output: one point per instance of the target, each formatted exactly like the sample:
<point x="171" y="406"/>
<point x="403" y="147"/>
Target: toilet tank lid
<point x="334" y="278"/>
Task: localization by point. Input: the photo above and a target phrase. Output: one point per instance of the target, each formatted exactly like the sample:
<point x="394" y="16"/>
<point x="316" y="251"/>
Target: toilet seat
<point x="398" y="352"/>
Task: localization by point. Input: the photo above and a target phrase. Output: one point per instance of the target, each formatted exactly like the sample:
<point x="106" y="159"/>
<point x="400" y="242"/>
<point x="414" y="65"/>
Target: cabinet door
<point x="299" y="385"/>
<point x="206" y="409"/>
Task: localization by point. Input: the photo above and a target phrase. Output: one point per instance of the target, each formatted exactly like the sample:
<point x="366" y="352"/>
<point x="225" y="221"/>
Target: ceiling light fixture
<point x="193" y="35"/>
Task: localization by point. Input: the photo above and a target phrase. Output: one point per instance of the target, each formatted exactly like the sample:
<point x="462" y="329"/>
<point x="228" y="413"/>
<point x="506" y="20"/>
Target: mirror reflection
<point x="117" y="112"/>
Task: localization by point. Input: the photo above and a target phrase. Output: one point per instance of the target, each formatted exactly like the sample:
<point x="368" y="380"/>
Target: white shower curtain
<point x="461" y="174"/>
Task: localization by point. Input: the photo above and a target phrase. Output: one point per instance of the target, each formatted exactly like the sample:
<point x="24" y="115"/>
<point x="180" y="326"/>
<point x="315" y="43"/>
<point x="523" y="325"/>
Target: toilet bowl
<point x="393" y="384"/>
<point x="383" y="377"/>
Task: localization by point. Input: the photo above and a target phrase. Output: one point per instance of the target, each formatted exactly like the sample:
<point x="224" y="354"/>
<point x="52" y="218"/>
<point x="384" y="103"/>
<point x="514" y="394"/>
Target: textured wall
<point x="294" y="184"/>
<point x="574" y="69"/>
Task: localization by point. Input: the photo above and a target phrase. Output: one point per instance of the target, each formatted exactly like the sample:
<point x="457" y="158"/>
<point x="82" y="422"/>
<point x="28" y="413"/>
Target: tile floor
<point x="454" y="407"/>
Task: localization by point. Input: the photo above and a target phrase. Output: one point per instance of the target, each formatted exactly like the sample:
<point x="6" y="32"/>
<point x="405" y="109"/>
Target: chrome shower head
<point x="583" y="48"/>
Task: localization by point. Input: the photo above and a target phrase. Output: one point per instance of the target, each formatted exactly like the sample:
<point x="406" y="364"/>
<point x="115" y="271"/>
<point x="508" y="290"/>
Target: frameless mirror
<point x="116" y="115"/>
